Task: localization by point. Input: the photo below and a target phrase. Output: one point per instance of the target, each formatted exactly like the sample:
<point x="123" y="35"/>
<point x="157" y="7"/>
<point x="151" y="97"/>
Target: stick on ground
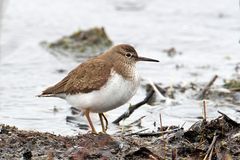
<point x="202" y="95"/>
<point x="208" y="155"/>
<point x="204" y="110"/>
<point x="132" y="108"/>
<point x="160" y="118"/>
<point x="152" y="134"/>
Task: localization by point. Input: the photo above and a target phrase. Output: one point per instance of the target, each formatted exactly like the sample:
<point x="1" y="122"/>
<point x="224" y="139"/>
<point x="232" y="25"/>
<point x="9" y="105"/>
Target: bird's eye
<point x="129" y="55"/>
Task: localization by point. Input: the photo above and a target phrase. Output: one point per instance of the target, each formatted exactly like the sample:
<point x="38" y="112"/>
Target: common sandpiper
<point x="102" y="83"/>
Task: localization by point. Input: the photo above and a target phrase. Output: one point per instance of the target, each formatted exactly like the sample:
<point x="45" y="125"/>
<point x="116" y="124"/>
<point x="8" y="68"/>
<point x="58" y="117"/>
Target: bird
<point x="101" y="84"/>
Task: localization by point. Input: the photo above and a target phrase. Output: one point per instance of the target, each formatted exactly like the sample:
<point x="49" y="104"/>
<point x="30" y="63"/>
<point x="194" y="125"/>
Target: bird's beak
<point x="146" y="59"/>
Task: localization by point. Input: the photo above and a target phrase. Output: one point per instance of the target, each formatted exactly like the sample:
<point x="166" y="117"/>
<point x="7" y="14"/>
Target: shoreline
<point x="218" y="138"/>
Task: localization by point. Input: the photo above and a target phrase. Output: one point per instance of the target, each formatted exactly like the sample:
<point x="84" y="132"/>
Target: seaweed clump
<point x="233" y="84"/>
<point x="81" y="44"/>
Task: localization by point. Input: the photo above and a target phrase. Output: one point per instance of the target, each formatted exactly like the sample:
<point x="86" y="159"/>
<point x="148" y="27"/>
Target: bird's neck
<point x="127" y="71"/>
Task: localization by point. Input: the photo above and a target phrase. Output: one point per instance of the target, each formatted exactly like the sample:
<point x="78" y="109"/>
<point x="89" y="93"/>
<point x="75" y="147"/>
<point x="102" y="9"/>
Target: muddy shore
<point x="215" y="139"/>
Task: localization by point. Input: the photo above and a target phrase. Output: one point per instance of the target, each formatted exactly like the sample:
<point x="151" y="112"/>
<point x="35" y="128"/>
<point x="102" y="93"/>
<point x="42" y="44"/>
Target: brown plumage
<point x="94" y="73"/>
<point x="87" y="77"/>
<point x="118" y="64"/>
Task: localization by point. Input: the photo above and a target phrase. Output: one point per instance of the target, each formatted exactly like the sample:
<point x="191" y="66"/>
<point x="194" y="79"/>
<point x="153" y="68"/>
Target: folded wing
<point x="87" y="77"/>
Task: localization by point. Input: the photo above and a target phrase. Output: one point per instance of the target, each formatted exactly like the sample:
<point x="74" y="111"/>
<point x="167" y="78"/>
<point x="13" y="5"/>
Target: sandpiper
<point x="102" y="83"/>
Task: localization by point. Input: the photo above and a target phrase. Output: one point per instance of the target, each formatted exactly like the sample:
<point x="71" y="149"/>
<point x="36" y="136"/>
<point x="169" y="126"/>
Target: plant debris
<point x="203" y="93"/>
<point x="233" y="85"/>
<point x="213" y="139"/>
<point x="218" y="94"/>
<point x="132" y="108"/>
<point x="81" y="44"/>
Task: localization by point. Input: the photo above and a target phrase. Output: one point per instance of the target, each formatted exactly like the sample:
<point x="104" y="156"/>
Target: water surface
<point x="206" y="32"/>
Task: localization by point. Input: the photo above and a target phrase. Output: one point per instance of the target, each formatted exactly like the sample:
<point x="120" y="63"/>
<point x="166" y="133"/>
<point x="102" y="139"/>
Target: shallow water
<point x="206" y="32"/>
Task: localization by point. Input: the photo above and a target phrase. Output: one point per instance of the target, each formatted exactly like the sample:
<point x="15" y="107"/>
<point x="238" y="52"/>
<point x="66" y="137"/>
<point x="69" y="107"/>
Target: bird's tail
<point x="63" y="96"/>
<point x="45" y="95"/>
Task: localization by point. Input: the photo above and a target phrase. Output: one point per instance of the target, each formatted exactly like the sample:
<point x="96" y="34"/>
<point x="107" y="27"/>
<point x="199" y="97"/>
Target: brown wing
<point x="87" y="77"/>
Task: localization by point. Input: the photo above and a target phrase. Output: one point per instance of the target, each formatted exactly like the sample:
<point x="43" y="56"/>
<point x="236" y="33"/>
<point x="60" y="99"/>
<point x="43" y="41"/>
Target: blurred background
<point x="193" y="39"/>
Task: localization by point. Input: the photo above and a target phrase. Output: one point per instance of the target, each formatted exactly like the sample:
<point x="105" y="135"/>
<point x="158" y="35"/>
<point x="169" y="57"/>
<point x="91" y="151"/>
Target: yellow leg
<point x="105" y="121"/>
<point x="89" y="121"/>
<point x="104" y="129"/>
<point x="102" y="124"/>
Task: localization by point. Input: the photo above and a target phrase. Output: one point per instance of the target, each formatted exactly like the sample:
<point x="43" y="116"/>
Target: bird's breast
<point x="116" y="92"/>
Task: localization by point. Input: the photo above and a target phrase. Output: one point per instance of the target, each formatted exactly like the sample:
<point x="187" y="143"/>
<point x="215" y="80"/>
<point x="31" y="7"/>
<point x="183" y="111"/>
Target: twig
<point x="183" y="125"/>
<point x="137" y="121"/>
<point x="210" y="155"/>
<point x="156" y="133"/>
<point x="211" y="147"/>
<point x="132" y="108"/>
<point x="163" y="99"/>
<point x="130" y="134"/>
<point x="202" y="95"/>
<point x="156" y="90"/>
<point x="204" y="110"/>
<point x="160" y="118"/>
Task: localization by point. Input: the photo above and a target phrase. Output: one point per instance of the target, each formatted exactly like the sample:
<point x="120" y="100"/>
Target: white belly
<point x="115" y="93"/>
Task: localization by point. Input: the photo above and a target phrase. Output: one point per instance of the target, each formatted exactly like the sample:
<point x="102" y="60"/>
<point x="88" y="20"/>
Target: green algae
<point x="232" y="84"/>
<point x="80" y="44"/>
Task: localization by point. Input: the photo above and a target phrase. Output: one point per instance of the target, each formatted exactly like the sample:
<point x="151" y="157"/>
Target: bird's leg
<point x="102" y="124"/>
<point x="105" y="121"/>
<point x="89" y="121"/>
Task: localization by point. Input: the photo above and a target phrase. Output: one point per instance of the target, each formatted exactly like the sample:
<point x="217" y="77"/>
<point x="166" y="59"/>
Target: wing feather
<point x="87" y="77"/>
